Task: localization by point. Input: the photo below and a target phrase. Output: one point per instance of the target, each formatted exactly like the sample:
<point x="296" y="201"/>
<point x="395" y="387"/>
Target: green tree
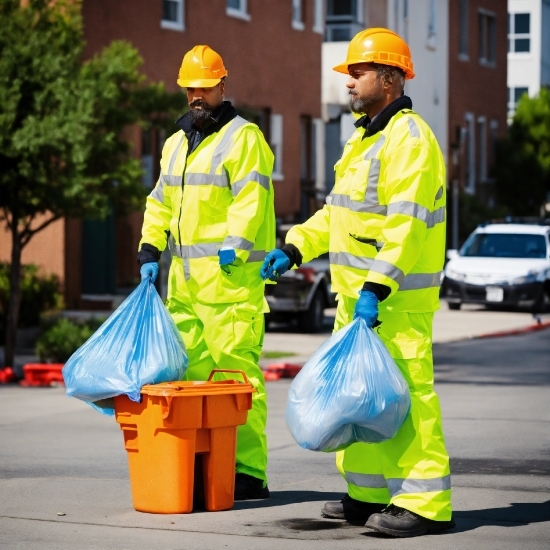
<point x="62" y="151"/>
<point x="523" y="157"/>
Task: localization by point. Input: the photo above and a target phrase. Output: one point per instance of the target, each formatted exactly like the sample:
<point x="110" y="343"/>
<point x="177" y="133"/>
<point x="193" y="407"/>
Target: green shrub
<point x="39" y="293"/>
<point x="63" y="338"/>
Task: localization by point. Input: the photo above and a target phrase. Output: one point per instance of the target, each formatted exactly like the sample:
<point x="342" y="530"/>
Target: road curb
<point x="516" y="332"/>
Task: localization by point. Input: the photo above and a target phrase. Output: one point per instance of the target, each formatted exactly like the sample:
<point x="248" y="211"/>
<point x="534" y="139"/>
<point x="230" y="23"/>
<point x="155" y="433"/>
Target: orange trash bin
<point x="176" y="424"/>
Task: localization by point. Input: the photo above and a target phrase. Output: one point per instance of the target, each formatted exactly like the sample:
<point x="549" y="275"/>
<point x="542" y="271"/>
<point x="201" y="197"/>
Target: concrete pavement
<point x="58" y="455"/>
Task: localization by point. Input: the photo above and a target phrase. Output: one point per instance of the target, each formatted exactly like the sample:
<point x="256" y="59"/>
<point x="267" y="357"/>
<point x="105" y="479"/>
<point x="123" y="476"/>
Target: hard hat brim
<point x="199" y="83"/>
<point x="343" y="67"/>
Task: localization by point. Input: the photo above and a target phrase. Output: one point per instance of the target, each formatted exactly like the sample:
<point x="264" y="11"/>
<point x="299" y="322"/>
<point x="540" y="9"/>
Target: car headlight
<point x="531" y="277"/>
<point x="456" y="275"/>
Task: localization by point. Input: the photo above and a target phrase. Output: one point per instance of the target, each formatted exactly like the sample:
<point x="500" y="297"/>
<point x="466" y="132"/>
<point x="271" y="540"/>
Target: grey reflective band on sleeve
<point x="257" y="256"/>
<point x="409" y="208"/>
<point x="234" y="125"/>
<point x="256" y="177"/>
<point x="368" y="481"/>
<point x="350" y="260"/>
<point x="217" y="180"/>
<point x="389" y="270"/>
<point x="439" y="193"/>
<point x="413" y="128"/>
<point x="418" y="281"/>
<point x="175" y="155"/>
<point x="238" y="243"/>
<point x="158" y="192"/>
<point x="398" y="486"/>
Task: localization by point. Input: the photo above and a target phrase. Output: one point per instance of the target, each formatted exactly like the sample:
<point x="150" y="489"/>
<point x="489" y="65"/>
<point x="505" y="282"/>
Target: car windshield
<point x="505" y="245"/>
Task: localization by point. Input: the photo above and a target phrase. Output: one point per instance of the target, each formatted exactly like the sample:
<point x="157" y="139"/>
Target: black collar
<point x="220" y="117"/>
<point x="380" y="121"/>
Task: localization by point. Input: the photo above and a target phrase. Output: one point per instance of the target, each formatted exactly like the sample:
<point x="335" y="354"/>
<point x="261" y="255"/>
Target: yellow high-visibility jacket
<point x="219" y="195"/>
<point x="384" y="220"/>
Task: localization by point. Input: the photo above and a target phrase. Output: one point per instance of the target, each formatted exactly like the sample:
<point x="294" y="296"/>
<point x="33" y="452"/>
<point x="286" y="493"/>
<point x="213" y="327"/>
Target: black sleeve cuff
<point x="380" y="291"/>
<point x="148" y="254"/>
<point x="294" y="255"/>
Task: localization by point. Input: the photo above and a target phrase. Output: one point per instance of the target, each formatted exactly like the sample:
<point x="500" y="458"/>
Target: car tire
<point x="454" y="305"/>
<point x="312" y="319"/>
<point x="542" y="304"/>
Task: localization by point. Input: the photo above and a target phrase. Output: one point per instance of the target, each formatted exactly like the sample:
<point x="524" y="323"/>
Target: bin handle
<point x="229" y="370"/>
<point x="166" y="409"/>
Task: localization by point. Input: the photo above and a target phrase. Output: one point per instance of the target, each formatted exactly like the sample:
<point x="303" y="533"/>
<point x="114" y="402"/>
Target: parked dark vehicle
<point x="302" y="295"/>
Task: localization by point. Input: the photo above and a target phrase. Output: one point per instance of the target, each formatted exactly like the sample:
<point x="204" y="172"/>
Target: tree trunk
<point x="15" y="296"/>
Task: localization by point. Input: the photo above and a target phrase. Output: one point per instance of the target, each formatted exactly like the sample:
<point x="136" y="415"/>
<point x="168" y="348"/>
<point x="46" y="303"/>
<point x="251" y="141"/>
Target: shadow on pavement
<point x="281" y="498"/>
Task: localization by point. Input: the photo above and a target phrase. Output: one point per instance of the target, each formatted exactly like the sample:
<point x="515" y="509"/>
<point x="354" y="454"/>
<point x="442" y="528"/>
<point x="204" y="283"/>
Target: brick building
<point x="272" y="50"/>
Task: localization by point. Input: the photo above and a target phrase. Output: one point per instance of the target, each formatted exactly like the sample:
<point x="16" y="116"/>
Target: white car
<point x="504" y="264"/>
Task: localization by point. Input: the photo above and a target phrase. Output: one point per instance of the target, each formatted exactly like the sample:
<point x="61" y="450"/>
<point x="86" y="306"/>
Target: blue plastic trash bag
<point x="350" y="390"/>
<point x="139" y="344"/>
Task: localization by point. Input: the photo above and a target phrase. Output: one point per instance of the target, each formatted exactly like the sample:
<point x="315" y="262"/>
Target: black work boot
<point x="353" y="511"/>
<point x="399" y="522"/>
<point x="249" y="487"/>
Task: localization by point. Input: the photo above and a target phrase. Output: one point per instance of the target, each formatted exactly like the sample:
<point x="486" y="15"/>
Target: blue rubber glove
<point x="275" y="264"/>
<point x="367" y="307"/>
<point x="150" y="269"/>
<point x="226" y="255"/>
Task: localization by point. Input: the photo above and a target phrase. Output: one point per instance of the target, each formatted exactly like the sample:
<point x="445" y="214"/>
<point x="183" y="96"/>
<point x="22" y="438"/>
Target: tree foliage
<point x="62" y="124"/>
<point x="523" y="157"/>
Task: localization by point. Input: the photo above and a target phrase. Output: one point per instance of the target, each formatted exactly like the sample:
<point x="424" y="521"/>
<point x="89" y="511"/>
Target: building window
<point x="173" y="16"/>
<point x="237" y="8"/>
<point x="482" y="139"/>
<point x="298" y="15"/>
<point x="519" y="28"/>
<point x="463" y="52"/>
<point x="487" y="38"/>
<point x="344" y="20"/>
<point x="470" y="153"/>
<point x="276" y="143"/>
<point x="319" y="16"/>
<point x="514" y="95"/>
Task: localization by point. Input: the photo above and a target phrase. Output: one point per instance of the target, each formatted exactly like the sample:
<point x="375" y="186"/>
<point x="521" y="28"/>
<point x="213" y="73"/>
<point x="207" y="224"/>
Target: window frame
<point x="238" y="13"/>
<point x="298" y="6"/>
<point x="486" y="45"/>
<point x="463" y="30"/>
<point x="319" y="16"/>
<point x="174" y="25"/>
<point x="276" y="135"/>
<point x="513" y="35"/>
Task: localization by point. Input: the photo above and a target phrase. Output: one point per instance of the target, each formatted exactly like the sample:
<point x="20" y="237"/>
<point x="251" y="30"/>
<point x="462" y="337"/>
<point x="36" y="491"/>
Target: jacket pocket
<point x="248" y="327"/>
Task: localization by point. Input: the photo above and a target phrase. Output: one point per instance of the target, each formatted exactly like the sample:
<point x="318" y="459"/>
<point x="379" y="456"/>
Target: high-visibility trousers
<point x="225" y="336"/>
<point x="411" y="470"/>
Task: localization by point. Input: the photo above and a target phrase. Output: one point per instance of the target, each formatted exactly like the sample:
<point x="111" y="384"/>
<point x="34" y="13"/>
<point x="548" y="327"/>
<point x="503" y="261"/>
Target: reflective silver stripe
<point x="371" y="196"/>
<point x="413" y="128"/>
<point x="418" y="281"/>
<point x="350" y="260"/>
<point x="171" y="180"/>
<point x="238" y="242"/>
<point x="233" y="126"/>
<point x="439" y="193"/>
<point x="257" y="256"/>
<point x="344" y="201"/>
<point x="175" y="155"/>
<point x="373" y="151"/>
<point x="387" y="269"/>
<point x="218" y="180"/>
<point x="186" y="269"/>
<point x="262" y="180"/>
<point x="158" y="192"/>
<point x="399" y="486"/>
<point x="370" y="481"/>
<point x="417" y="211"/>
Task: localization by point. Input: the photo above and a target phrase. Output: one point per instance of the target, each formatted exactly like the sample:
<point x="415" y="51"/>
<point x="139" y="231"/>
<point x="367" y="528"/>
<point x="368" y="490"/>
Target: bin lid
<point x="197" y="387"/>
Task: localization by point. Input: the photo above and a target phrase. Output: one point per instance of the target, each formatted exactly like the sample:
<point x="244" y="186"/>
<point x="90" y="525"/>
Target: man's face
<point x="202" y="101"/>
<point x="365" y="87"/>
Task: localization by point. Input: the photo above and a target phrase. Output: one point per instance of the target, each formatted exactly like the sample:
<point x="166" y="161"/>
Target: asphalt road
<point x="58" y="455"/>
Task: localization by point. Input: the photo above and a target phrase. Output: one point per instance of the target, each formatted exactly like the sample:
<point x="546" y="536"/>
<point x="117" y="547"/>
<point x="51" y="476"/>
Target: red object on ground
<point x="7" y="375"/>
<point x="276" y="371"/>
<point x="516" y="332"/>
<point x="42" y="374"/>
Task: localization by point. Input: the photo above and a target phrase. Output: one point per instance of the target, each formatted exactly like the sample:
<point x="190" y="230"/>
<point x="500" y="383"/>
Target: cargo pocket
<point x="413" y="356"/>
<point x="247" y="327"/>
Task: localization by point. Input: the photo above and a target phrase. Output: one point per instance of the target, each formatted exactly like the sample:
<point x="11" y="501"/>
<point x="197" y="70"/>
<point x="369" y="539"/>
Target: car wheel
<point x="312" y="319"/>
<point x="543" y="301"/>
<point x="454" y="305"/>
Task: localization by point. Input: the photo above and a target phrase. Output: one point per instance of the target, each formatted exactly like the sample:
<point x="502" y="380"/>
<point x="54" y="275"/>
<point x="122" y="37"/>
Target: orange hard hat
<point x="378" y="46"/>
<point x="201" y="67"/>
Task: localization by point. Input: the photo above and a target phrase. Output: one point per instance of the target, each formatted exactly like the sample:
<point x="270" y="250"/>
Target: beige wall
<point x="46" y="249"/>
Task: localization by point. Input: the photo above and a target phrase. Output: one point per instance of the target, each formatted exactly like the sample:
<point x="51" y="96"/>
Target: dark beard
<point x="361" y="104"/>
<point x="198" y="116"/>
